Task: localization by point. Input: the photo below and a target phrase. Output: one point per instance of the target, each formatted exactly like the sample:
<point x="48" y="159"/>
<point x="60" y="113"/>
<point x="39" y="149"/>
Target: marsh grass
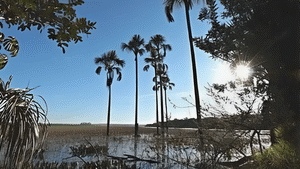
<point x="179" y="149"/>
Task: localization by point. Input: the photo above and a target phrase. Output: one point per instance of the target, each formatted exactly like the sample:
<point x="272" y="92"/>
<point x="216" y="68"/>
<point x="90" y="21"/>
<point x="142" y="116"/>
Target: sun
<point x="242" y="72"/>
<point x="223" y="73"/>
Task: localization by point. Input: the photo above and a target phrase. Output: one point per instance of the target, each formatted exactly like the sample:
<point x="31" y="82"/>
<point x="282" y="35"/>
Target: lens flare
<point x="242" y="72"/>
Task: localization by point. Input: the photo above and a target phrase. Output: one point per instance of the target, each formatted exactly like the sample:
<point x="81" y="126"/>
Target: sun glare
<point x="242" y="72"/>
<point x="223" y="73"/>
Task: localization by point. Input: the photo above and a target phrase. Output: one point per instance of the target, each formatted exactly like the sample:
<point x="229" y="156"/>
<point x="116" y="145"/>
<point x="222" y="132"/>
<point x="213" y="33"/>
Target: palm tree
<point x="157" y="50"/>
<point x="188" y="4"/>
<point x="161" y="72"/>
<point x="135" y="45"/>
<point x="111" y="63"/>
<point x="153" y="60"/>
<point x="167" y="84"/>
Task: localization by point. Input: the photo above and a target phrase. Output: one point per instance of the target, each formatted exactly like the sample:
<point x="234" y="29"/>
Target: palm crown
<point x="157" y="50"/>
<point x="111" y="62"/>
<point x="134" y="45"/>
<point x="169" y="5"/>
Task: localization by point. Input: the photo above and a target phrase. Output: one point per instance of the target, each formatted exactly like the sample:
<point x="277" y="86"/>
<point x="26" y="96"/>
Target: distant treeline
<point x="236" y="122"/>
<point x="62" y="124"/>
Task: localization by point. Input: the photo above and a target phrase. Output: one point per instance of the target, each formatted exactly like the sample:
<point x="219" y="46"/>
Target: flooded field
<point x="83" y="144"/>
<point x="120" y="144"/>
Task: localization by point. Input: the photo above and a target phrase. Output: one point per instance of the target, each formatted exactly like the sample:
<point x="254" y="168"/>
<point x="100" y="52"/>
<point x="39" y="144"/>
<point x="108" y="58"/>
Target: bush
<point x="279" y="156"/>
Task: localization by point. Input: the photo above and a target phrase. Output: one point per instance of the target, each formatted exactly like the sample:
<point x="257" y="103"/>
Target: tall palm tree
<point x="157" y="50"/>
<point x="188" y="4"/>
<point x="167" y="84"/>
<point x="135" y="45"/>
<point x="161" y="72"/>
<point x="153" y="60"/>
<point x="111" y="63"/>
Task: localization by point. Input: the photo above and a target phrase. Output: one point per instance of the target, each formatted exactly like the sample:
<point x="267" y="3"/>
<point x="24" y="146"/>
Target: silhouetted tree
<point x="188" y="4"/>
<point x="161" y="72"/>
<point x="157" y="50"/>
<point x="264" y="34"/>
<point x="166" y="84"/>
<point x="136" y="46"/>
<point x="111" y="63"/>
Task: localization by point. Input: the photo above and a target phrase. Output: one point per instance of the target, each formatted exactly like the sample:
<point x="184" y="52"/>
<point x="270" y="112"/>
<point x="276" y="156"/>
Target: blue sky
<point x="75" y="93"/>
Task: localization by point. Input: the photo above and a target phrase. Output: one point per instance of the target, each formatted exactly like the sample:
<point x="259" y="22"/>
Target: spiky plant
<point x="22" y="124"/>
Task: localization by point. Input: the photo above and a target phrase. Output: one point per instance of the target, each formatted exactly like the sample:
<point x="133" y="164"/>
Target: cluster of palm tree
<point x="157" y="49"/>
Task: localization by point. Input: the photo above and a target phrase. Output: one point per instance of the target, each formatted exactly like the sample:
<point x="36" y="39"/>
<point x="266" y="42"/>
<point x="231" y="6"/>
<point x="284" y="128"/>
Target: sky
<point x="75" y="93"/>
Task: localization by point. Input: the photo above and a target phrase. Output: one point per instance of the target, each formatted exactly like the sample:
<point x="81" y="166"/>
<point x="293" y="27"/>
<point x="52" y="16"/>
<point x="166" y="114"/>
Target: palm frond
<point x="120" y="76"/>
<point x="20" y="125"/>
<point x="148" y="47"/>
<point x="118" y="70"/>
<point x="141" y="52"/>
<point x="168" y="11"/>
<point x="98" y="70"/>
<point x="99" y="60"/>
<point x="154" y="79"/>
<point x="119" y="62"/>
<point x="8" y="82"/>
<point x="149" y="60"/>
<point x="124" y="46"/>
<point x="146" y="68"/>
<point x="166" y="48"/>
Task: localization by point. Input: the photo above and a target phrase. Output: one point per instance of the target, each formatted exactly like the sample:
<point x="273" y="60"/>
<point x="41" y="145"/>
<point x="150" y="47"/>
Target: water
<point x="147" y="147"/>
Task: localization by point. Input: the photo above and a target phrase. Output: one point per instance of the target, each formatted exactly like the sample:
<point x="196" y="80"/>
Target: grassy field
<point x="100" y="130"/>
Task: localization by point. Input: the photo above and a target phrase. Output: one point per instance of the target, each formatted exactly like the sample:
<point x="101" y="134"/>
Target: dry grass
<point x="97" y="130"/>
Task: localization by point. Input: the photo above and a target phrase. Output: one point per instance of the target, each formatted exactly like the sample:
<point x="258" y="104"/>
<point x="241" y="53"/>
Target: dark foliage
<point x="61" y="19"/>
<point x="217" y="123"/>
<point x="264" y="34"/>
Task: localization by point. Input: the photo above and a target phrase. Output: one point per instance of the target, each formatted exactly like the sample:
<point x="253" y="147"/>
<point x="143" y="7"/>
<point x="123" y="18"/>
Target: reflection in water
<point x="135" y="148"/>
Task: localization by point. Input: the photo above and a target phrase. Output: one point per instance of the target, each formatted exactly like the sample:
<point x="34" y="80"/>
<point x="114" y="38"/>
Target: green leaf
<point x="3" y="60"/>
<point x="12" y="45"/>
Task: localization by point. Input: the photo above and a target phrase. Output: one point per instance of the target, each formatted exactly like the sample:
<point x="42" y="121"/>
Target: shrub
<point x="280" y="155"/>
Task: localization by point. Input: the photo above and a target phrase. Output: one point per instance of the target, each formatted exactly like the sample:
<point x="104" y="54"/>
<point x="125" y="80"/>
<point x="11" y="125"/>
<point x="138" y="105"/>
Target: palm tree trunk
<point x="108" y="113"/>
<point x="162" y="108"/>
<point x="197" y="96"/>
<point x="136" y="97"/>
<point x="156" y="100"/>
<point x="166" y="104"/>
